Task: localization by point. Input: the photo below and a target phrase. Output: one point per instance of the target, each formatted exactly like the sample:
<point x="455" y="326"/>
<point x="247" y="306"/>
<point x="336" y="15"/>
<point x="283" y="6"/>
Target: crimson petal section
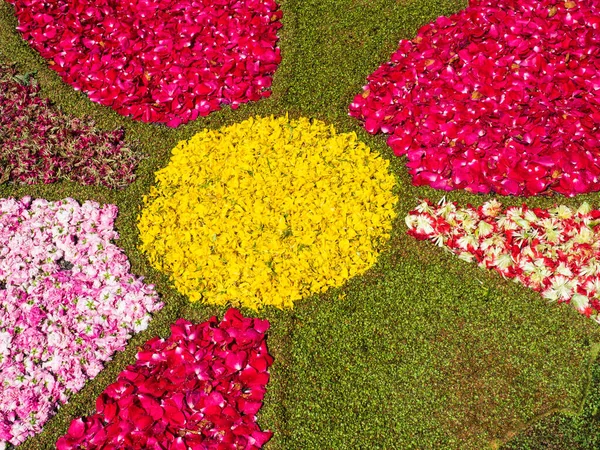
<point x="502" y="97"/>
<point x="166" y="61"/>
<point x="201" y="388"/>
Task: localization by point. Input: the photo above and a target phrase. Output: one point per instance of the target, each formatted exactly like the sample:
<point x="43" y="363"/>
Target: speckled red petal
<point x="167" y="62"/>
<point x="502" y="97"/>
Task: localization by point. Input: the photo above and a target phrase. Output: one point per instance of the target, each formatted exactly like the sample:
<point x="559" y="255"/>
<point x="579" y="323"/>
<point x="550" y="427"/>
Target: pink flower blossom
<point x="58" y="323"/>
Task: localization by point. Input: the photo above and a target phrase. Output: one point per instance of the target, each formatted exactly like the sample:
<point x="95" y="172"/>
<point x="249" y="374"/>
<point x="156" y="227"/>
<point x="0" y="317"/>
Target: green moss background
<point x="424" y="351"/>
<point x="566" y="431"/>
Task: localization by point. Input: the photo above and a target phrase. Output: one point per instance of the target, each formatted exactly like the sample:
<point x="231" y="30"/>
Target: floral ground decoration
<point x="267" y="211"/>
<point x="67" y="303"/>
<point x="40" y="144"/>
<point x="501" y="97"/>
<point x="555" y="251"/>
<point x="199" y="389"/>
<point x="167" y="62"/>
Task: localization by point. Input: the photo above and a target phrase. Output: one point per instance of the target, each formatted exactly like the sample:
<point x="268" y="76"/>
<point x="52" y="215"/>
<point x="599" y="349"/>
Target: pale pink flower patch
<point x="67" y="303"/>
<point x="199" y="389"/>
<point x="555" y="252"/>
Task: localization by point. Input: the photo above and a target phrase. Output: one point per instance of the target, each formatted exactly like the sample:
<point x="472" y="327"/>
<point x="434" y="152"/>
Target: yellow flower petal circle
<point x="267" y="211"/>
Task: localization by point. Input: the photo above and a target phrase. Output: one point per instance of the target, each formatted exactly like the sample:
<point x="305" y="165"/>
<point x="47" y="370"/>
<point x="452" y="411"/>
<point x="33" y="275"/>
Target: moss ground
<point x="566" y="430"/>
<point x="424" y="351"/>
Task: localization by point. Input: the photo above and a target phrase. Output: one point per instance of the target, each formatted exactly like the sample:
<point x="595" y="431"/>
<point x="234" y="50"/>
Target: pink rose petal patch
<point x="555" y="251"/>
<point x="67" y="304"/>
<point x="199" y="389"/>
<point x="502" y="97"/>
<point x="165" y="61"/>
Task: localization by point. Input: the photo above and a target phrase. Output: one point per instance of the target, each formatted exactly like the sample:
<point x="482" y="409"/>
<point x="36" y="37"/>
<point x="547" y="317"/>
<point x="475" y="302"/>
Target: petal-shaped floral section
<point x="67" y="303"/>
<point x="41" y="144"/>
<point x="158" y="61"/>
<point x="199" y="389"/>
<point x="502" y="97"/>
<point x="555" y="252"/>
<point x="267" y="211"/>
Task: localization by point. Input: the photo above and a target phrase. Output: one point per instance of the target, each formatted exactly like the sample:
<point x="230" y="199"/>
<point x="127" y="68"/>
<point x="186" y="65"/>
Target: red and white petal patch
<point x="555" y="252"/>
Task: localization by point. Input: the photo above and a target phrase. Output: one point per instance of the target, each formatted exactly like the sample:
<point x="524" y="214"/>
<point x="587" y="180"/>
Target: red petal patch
<point x="478" y="97"/>
<point x="162" y="402"/>
<point x="166" y="62"/>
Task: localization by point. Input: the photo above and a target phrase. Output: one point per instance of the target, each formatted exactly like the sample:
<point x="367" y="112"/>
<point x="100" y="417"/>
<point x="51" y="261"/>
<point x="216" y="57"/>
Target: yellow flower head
<point x="267" y="211"/>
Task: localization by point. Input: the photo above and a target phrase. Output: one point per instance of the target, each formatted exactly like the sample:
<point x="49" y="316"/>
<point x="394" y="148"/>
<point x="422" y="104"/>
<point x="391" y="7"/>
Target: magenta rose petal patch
<point x="553" y="251"/>
<point x="501" y="97"/>
<point x="199" y="389"/>
<point x="166" y="61"/>
<point x="67" y="304"/>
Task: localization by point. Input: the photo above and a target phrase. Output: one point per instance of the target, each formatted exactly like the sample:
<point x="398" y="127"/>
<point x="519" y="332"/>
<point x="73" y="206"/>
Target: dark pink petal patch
<point x="166" y="61"/>
<point x="502" y="97"/>
<point x="199" y="389"/>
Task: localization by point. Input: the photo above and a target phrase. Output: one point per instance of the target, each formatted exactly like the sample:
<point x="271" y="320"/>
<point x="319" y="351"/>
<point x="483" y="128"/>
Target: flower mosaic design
<point x="502" y="97"/>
